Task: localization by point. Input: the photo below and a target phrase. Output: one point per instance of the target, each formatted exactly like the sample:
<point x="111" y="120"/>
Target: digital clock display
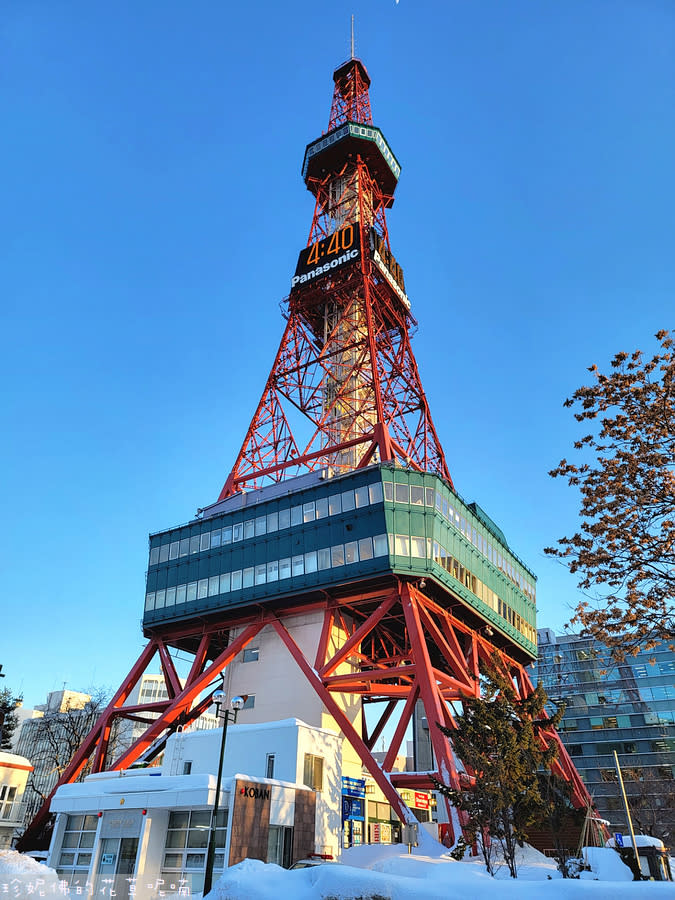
<point x="327" y="254"/>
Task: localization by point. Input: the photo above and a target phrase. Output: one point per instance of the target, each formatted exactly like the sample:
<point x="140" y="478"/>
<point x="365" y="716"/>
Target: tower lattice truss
<point x="343" y="400"/>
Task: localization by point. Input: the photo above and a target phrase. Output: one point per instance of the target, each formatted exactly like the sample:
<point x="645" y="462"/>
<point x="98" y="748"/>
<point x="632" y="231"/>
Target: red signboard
<point x="421" y="800"/>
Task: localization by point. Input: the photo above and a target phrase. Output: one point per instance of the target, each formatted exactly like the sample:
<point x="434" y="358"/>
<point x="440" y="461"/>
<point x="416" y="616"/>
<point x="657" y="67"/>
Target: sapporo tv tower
<point x="339" y="504"/>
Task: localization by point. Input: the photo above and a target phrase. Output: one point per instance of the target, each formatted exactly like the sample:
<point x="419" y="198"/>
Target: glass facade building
<point x="628" y="707"/>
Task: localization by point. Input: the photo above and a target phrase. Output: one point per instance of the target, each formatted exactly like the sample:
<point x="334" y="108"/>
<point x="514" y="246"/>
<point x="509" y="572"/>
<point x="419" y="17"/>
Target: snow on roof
<point x="14" y="761"/>
<point x="641" y="840"/>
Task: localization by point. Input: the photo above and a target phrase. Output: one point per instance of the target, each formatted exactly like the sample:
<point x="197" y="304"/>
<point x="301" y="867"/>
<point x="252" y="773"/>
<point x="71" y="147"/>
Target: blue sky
<point x="153" y="213"/>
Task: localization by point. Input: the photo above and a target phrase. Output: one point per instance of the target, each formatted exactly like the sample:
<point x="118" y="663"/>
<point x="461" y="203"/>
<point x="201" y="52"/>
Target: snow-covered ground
<point x="383" y="872"/>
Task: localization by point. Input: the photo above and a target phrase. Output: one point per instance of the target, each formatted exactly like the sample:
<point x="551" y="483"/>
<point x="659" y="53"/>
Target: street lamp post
<point x="229" y="716"/>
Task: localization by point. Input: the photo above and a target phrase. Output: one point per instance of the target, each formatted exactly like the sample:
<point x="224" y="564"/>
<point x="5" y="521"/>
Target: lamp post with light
<point x="237" y="703"/>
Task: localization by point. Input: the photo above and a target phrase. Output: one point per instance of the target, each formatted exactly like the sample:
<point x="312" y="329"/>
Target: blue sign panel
<point x="618" y="839"/>
<point x="353" y="810"/>
<point x="353" y="787"/>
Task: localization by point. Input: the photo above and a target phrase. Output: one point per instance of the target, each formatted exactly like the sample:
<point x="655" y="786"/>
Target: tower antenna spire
<point x="352" y="56"/>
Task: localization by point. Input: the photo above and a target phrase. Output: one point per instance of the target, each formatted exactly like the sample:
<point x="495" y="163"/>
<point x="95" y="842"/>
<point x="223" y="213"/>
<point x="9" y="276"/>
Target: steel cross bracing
<point x="345" y="363"/>
<point x="351" y="100"/>
<point x="401" y="645"/>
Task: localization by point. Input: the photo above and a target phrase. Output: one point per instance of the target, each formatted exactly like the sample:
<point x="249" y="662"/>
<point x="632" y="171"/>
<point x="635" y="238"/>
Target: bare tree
<point x="624" y="552"/>
<point x="50" y="742"/>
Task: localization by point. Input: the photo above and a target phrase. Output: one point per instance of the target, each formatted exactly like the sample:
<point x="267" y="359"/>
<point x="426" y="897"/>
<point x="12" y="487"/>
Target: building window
<point x="313" y="772"/>
<point x="251" y="654"/>
<point x="74" y="859"/>
<point x="269" y="766"/>
<point x="187" y="841"/>
<point x="249" y="703"/>
<point x="187" y="767"/>
<point x="280" y="846"/>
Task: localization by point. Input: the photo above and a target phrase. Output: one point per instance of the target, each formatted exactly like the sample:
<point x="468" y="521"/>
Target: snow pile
<point x="21" y="876"/>
<point x="606" y="865"/>
<point x="387" y="872"/>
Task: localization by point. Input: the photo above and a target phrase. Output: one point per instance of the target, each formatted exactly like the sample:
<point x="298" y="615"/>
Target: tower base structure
<point x="391" y="632"/>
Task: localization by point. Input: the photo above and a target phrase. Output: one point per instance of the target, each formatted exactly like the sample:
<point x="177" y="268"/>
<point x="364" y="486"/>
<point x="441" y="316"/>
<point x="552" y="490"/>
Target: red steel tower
<point x="339" y="503"/>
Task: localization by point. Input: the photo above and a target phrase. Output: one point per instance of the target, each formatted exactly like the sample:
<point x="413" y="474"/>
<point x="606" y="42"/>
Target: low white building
<point x="145" y="831"/>
<point x="14" y="772"/>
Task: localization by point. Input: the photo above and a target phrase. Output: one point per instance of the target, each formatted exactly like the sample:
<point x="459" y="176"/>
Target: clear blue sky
<point x="153" y="211"/>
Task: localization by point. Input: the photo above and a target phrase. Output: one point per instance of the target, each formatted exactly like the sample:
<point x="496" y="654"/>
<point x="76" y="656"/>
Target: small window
<point x="375" y="492"/>
<point x="202" y="588"/>
<point x="273" y="570"/>
<point x="335" y="504"/>
<point x="296" y="515"/>
<point x="191" y="591"/>
<point x="284" y="518"/>
<point x="194" y="543"/>
<point x="251" y="654"/>
<point x="361" y="496"/>
<point x="249" y="529"/>
<point x="236" y="580"/>
<point x="150" y="600"/>
<point x="308" y="512"/>
<point x="351" y="552"/>
<point x="416" y="495"/>
<point x="215" y="538"/>
<point x="310" y="562"/>
<point x="285" y="567"/>
<point x="429" y="496"/>
<point x="247" y="577"/>
<point x="173" y="549"/>
<point x="170" y="596"/>
<point x="187" y="767"/>
<point x="324" y="559"/>
<point x="366" y="548"/>
<point x="337" y="555"/>
<point x="402" y="545"/>
<point x="237" y="532"/>
<point x="164" y="553"/>
<point x="225" y="583"/>
<point x="205" y="541"/>
<point x="227" y="535"/>
<point x="402" y="493"/>
<point x="154" y="556"/>
<point x="261" y="573"/>
<point x="380" y="545"/>
<point x="418" y="547"/>
<point x="260" y="525"/>
<point x="322" y="508"/>
<point x="180" y="593"/>
<point x="249" y="703"/>
<point x="272" y="522"/>
<point x="159" y="599"/>
<point x="348" y="502"/>
<point x="184" y="546"/>
<point x="388" y="490"/>
<point x="269" y="766"/>
<point x="298" y="565"/>
<point x="214" y="585"/>
<point x="313" y="772"/>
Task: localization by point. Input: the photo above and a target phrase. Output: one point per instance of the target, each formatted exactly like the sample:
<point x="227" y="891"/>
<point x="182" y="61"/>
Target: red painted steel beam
<point x="400" y="730"/>
<point x="358" y="636"/>
<point x="345" y="725"/>
<point x="187" y="696"/>
<point x="382" y="721"/>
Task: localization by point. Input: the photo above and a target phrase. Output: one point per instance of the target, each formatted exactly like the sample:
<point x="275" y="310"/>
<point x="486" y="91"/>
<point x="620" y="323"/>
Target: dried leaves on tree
<point x="624" y="551"/>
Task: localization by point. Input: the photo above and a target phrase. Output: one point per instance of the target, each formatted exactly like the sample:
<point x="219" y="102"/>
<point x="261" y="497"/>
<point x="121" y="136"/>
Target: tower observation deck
<point x="339" y="503"/>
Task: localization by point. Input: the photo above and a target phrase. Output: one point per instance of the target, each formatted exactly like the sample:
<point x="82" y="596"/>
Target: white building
<point x="14" y="772"/>
<point x="143" y="831"/>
